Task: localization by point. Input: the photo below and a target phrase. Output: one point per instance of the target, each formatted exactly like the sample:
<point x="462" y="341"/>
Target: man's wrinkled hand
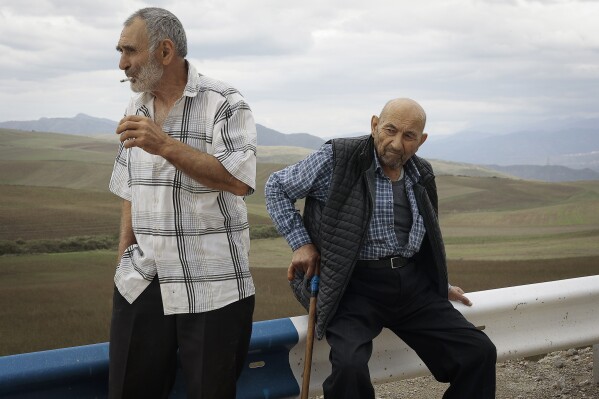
<point x="457" y="294"/>
<point x="305" y="259"/>
<point x="142" y="132"/>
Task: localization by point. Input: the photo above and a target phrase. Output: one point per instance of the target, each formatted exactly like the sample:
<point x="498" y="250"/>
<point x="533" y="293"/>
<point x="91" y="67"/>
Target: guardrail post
<point x="596" y="363"/>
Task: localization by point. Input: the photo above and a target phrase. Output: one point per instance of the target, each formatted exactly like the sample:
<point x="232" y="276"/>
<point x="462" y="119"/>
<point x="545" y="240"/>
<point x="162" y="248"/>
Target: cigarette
<point x="125" y="80"/>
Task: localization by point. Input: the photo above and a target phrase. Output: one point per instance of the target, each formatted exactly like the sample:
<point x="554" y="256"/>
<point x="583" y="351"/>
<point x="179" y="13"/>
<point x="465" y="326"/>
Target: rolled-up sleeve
<point x="235" y="141"/>
<point x="119" y="180"/>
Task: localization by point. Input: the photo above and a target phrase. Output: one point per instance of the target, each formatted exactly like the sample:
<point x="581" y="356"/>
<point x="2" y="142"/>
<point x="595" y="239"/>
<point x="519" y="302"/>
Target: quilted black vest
<point x="339" y="227"/>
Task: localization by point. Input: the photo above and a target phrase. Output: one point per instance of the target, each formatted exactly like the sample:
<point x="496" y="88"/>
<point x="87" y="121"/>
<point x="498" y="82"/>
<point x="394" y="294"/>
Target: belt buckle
<point x="401" y="262"/>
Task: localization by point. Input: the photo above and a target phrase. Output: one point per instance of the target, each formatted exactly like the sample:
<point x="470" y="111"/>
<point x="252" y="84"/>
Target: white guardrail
<point x="522" y="321"/>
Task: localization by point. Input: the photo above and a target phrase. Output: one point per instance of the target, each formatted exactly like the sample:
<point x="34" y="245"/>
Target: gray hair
<point x="161" y="24"/>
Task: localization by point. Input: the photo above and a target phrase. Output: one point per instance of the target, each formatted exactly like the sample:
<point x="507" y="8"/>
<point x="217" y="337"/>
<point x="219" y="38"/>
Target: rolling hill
<point x="69" y="161"/>
<point x="574" y="149"/>
<point x="55" y="186"/>
<point x="80" y="124"/>
<point x="568" y="152"/>
<point x="85" y="125"/>
<point x="498" y="232"/>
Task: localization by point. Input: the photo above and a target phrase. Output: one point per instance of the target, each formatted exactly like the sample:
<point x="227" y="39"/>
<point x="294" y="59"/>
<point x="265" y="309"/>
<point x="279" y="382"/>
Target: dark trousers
<point x="144" y="342"/>
<point x="403" y="301"/>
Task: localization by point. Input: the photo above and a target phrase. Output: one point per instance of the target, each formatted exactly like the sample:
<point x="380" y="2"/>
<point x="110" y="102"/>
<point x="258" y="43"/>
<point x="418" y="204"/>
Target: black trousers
<point x="404" y="301"/>
<point x="143" y="348"/>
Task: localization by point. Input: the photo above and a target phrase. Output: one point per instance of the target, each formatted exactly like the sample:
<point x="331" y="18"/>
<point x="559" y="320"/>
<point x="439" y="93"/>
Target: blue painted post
<point x="267" y="374"/>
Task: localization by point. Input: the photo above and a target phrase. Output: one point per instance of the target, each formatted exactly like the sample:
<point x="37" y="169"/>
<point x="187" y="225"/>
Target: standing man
<point x="186" y="160"/>
<point x="370" y="220"/>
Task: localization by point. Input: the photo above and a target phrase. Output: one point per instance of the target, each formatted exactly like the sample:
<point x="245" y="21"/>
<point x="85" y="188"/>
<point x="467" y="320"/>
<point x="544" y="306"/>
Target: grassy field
<point x="498" y="232"/>
<point x="28" y="212"/>
<point x="466" y="203"/>
<point x="55" y="300"/>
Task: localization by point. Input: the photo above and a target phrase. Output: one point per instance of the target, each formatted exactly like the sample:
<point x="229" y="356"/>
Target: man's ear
<point x="423" y="139"/>
<point x="374" y="122"/>
<point x="167" y="51"/>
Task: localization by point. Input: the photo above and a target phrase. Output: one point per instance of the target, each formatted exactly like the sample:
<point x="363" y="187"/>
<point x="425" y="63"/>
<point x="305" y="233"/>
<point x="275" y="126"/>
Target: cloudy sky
<point x="322" y="66"/>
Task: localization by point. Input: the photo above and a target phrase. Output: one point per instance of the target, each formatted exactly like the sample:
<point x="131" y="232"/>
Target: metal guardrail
<point x="522" y="321"/>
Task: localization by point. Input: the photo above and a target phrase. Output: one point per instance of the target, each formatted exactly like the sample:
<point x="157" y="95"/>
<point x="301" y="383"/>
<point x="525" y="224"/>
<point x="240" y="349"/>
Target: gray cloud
<point x="322" y="68"/>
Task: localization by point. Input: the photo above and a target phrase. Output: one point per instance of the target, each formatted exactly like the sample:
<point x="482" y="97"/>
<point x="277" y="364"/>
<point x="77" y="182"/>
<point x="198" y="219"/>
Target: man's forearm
<point x="285" y="217"/>
<point x="203" y="168"/>
<point x="142" y="132"/>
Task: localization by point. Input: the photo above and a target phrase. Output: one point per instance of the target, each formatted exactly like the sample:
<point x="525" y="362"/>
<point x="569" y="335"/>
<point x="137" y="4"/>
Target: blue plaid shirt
<point x="312" y="177"/>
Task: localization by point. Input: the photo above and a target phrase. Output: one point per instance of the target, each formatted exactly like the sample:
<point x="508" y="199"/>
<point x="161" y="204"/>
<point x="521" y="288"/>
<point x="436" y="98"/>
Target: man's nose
<point x="397" y="143"/>
<point x="124" y="63"/>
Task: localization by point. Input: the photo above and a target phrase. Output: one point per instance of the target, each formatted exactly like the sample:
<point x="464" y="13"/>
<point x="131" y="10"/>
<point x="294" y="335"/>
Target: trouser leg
<point x="451" y="347"/>
<point x="349" y="335"/>
<point x="462" y="356"/>
<point x="142" y="347"/>
<point x="350" y="341"/>
<point x="213" y="347"/>
<point x="403" y="300"/>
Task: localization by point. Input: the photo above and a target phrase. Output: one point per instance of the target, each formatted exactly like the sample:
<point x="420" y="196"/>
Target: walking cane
<point x="310" y="335"/>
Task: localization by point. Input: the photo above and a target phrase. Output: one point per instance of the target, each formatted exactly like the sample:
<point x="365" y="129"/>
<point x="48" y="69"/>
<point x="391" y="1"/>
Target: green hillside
<point x="28" y="212"/>
<point x="55" y="160"/>
<point x="282" y="155"/>
<point x="55" y="186"/>
<point x="40" y="159"/>
<point x="37" y="146"/>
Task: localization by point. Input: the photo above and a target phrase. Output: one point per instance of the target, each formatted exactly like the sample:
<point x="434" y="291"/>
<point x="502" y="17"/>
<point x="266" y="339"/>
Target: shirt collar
<point x="193" y="81"/>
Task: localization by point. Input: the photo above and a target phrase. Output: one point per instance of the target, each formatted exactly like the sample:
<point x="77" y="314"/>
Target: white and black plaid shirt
<point x="196" y="239"/>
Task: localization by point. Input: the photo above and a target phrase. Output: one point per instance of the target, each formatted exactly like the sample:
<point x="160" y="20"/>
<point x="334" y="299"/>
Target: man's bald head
<point x="404" y="104"/>
<point x="398" y="132"/>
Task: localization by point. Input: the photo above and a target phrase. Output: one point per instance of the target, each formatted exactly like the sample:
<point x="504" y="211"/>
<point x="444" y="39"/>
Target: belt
<point x="396" y="262"/>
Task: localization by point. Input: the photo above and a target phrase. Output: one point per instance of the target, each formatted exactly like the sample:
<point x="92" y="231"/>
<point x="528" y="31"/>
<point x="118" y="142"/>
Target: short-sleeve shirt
<point x="194" y="238"/>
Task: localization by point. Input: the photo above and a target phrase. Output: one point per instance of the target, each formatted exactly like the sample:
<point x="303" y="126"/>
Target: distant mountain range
<point x="86" y="125"/>
<point x="81" y="124"/>
<point x="550" y="173"/>
<point x="559" y="155"/>
<point x="572" y="148"/>
<point x="270" y="137"/>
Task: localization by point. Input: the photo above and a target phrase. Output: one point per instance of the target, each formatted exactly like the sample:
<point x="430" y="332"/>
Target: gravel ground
<point x="564" y="375"/>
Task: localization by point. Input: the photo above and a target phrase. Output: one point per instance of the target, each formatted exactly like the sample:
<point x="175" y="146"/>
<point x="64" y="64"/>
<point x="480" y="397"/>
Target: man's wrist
<point x="298" y="239"/>
<point x="169" y="148"/>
